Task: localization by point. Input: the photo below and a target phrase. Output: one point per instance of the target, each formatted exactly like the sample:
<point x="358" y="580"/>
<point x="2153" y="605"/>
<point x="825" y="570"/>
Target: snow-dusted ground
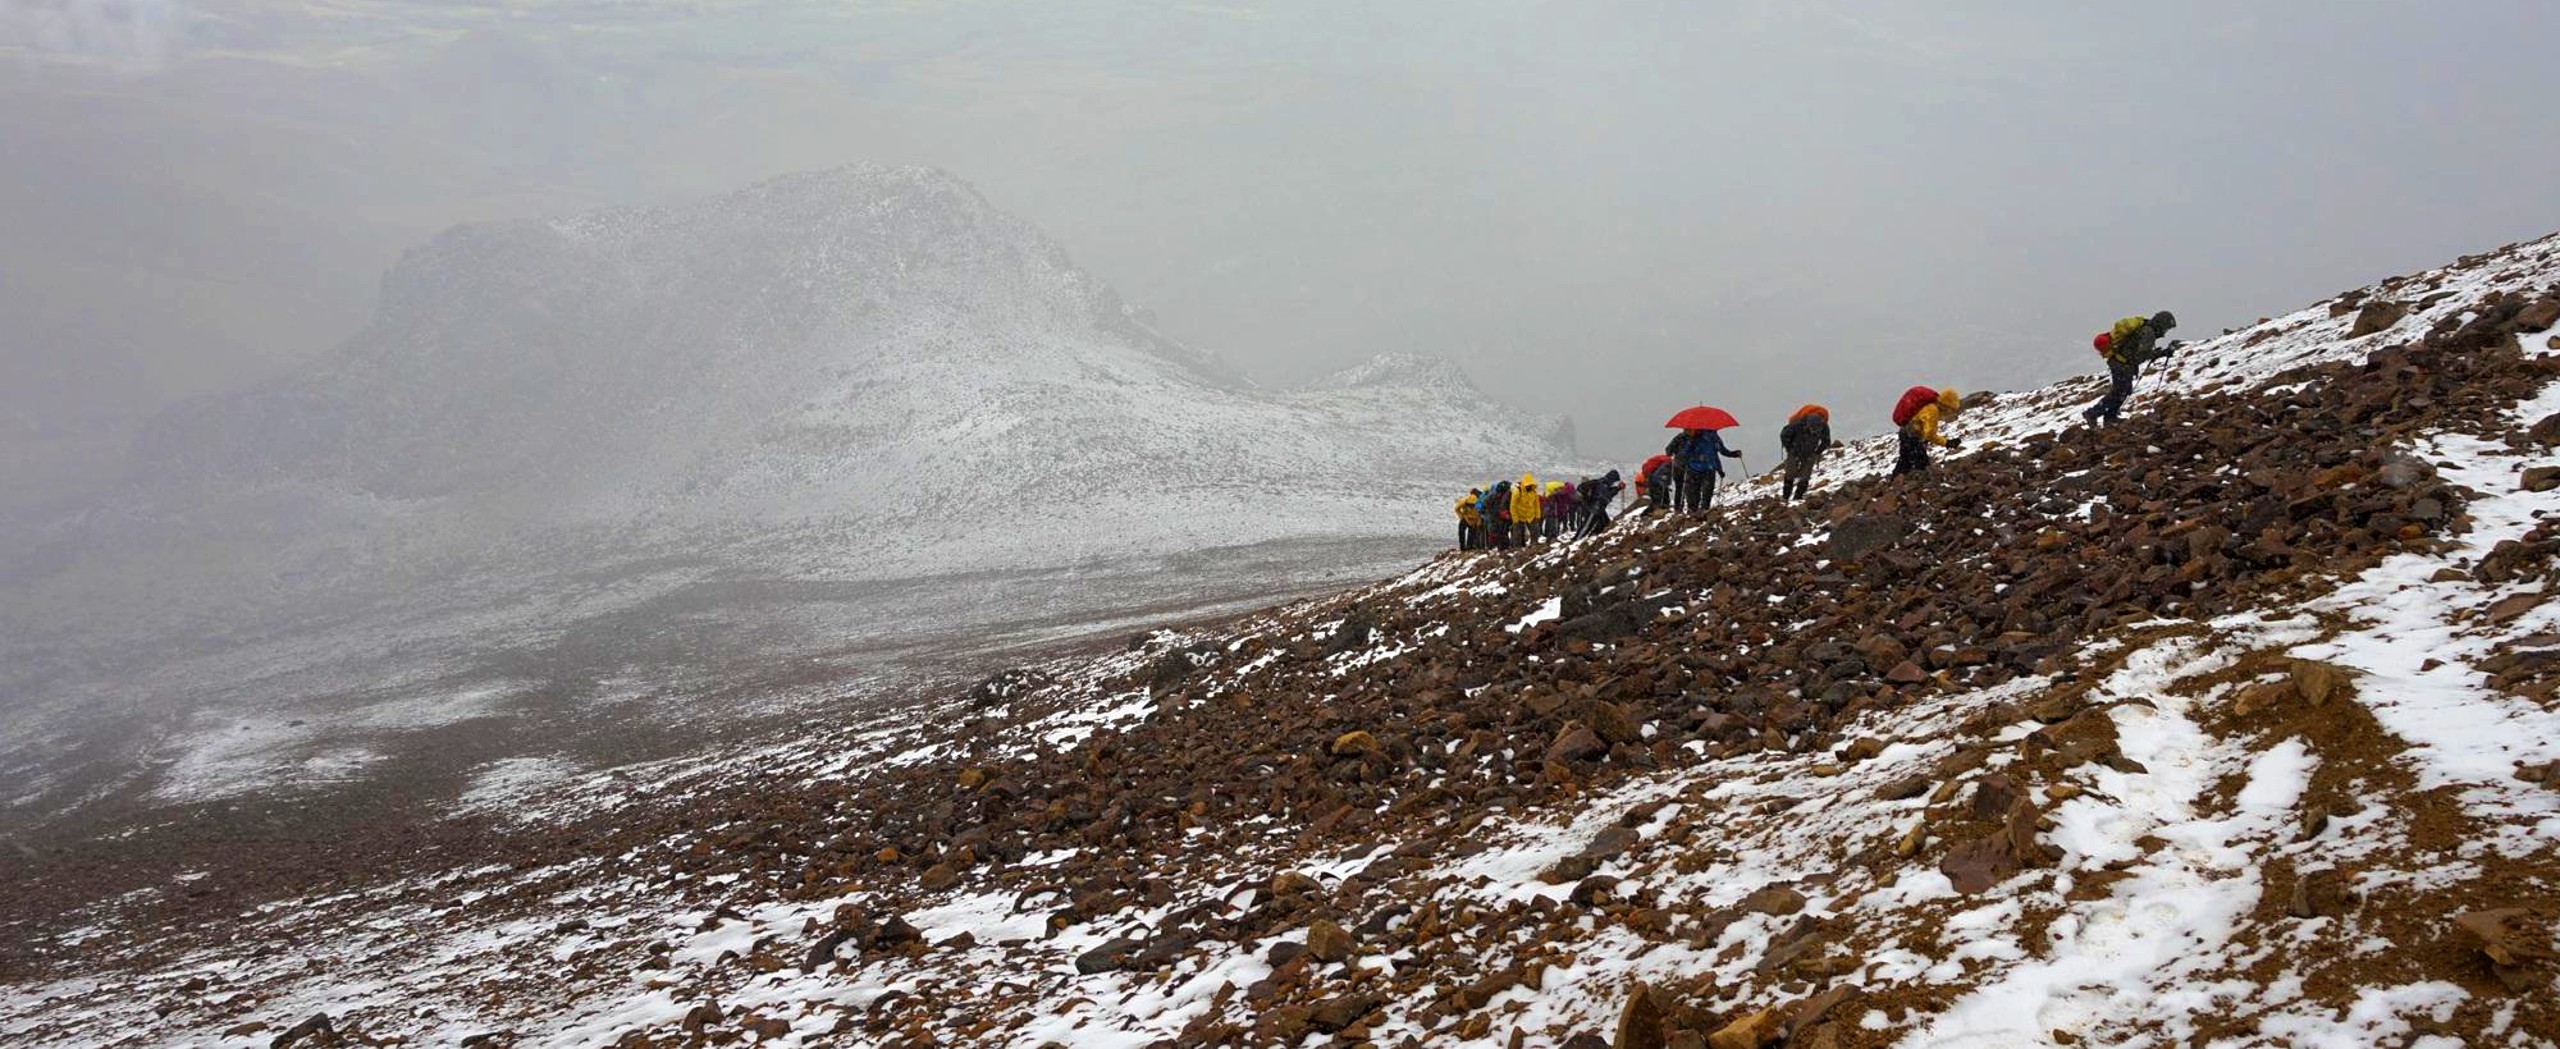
<point x="2144" y="930"/>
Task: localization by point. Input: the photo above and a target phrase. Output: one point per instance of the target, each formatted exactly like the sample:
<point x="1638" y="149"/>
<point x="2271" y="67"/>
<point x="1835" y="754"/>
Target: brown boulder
<point x="1328" y="942"/>
<point x="1612" y="842"/>
<point x="2547" y="431"/>
<point x="2314" y="681"/>
<point x="2507" y="935"/>
<point x="1614" y="723"/>
<point x="1995" y="796"/>
<point x="1880" y="650"/>
<point x="1110" y="957"/>
<point x="1756" y="1031"/>
<point x="2317" y="894"/>
<point x="2515" y="941"/>
<point x="2541" y="478"/>
<point x="2376" y="315"/>
<point x="1864" y="534"/>
<point x="1355" y="743"/>
<point x="1340" y="1011"/>
<point x="1977" y="865"/>
<point x="1774" y="899"/>
<point x="2512" y="607"/>
<point x="2542" y="314"/>
<point x="1576" y="743"/>
<point x="317" y="1024"/>
<point x="1639" y="1022"/>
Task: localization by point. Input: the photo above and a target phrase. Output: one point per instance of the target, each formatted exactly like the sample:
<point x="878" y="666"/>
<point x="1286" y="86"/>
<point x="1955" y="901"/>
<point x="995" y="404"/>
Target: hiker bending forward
<point x="2132" y="343"/>
<point x="1807" y="435"/>
<point x="1918" y="414"/>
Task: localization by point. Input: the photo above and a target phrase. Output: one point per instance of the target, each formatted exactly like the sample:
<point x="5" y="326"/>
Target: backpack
<point x="1912" y="401"/>
<point x="1805" y="436"/>
<point x="2125" y="343"/>
<point x="1679" y="443"/>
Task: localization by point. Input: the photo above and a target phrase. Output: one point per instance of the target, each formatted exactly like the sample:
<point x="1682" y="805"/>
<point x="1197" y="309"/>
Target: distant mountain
<point x="847" y="427"/>
<point x="869" y="347"/>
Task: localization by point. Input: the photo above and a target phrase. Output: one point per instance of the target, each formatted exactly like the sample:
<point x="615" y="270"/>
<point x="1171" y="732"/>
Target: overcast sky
<point x="1606" y="210"/>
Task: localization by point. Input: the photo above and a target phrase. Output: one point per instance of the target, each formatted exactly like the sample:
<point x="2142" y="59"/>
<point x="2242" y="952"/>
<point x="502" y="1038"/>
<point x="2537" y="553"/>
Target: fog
<point x="1599" y="210"/>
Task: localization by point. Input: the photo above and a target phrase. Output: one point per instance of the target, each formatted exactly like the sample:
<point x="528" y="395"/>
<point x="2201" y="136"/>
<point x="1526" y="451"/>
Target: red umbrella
<point x="1702" y="417"/>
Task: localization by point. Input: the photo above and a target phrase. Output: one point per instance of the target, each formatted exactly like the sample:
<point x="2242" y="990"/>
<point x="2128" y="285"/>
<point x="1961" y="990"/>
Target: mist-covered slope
<point x="2234" y="725"/>
<point x="864" y="348"/>
<point x="599" y="467"/>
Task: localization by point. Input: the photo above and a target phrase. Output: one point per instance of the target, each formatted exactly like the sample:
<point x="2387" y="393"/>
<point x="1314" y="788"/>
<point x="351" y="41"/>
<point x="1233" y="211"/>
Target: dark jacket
<point x="1599" y="491"/>
<point x="1806" y="438"/>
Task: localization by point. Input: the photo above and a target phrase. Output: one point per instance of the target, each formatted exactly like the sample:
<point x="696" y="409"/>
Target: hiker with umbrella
<point x="1700" y="452"/>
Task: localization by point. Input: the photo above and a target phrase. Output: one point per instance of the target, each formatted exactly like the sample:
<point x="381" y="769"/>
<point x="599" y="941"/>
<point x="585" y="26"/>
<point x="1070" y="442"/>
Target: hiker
<point x="1558" y="512"/>
<point x="2132" y="343"/>
<point x="1807" y="435"/>
<point x="1495" y="509"/>
<point x="1470" y="520"/>
<point x="1525" y="509"/>
<point x="1678" y="452"/>
<point x="1655" y="478"/>
<point x="1917" y="414"/>
<point x="1701" y="458"/>
<point x="1594" y="497"/>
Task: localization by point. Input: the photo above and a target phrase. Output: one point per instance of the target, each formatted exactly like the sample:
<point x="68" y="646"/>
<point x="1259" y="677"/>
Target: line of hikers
<point x="1685" y="475"/>
<point x="1507" y="514"/>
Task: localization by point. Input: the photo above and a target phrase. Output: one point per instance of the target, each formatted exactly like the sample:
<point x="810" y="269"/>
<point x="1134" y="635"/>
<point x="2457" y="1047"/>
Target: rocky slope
<point x="2234" y="725"/>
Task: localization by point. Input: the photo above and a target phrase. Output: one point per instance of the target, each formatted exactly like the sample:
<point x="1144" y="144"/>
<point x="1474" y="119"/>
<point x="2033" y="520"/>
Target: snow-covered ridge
<point x="1399" y="369"/>
<point x="870" y="347"/>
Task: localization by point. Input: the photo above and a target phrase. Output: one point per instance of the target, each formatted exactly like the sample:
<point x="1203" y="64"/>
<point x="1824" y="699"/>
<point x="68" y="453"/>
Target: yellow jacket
<point x="1925" y="420"/>
<point x="1524" y="501"/>
<point x="1467" y="514"/>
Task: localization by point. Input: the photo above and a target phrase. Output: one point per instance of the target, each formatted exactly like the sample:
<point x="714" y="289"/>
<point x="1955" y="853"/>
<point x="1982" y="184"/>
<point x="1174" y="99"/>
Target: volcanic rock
<point x="1576" y="743"/>
<point x="2377" y="315"/>
<point x="1639" y="1022"/>
<point x="2515" y="941"/>
<point x="1756" y="1031"/>
<point x="1865" y="534"/>
<point x="1328" y="941"/>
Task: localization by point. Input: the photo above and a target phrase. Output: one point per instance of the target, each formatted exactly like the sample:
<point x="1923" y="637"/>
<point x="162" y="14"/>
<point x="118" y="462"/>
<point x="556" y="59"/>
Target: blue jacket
<point x="1704" y="452"/>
